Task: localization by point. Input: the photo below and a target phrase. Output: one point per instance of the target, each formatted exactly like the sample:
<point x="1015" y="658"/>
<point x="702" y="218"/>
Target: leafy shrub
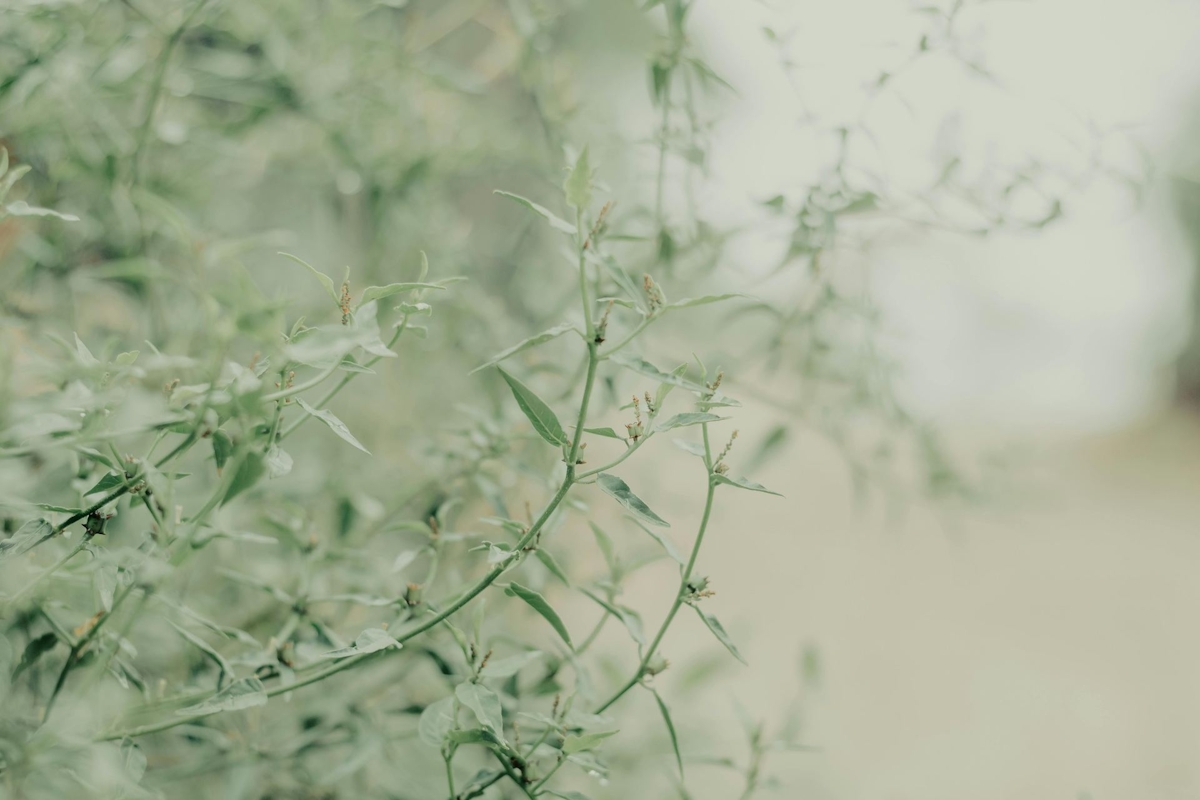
<point x="200" y="602"/>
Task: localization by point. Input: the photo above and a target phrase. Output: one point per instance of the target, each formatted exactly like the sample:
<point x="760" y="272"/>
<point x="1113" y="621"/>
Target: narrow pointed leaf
<point x="745" y="483"/>
<point x="532" y="341"/>
<point x="204" y="647"/>
<point x="607" y="433"/>
<point x="718" y="630"/>
<point x="335" y="424"/>
<point x="578" y="187"/>
<point x="620" y="491"/>
<point x="507" y="667"/>
<point x="686" y="419"/>
<point x="663" y="542"/>
<point x="577" y="743"/>
<point x="556" y="222"/>
<point x="110" y="481"/>
<point x="326" y="281"/>
<point x="689" y="302"/>
<point x="666" y="715"/>
<point x="20" y="208"/>
<point x="540" y="605"/>
<point x="544" y="421"/>
<point x="644" y="367"/>
<point x="549" y="562"/>
<point x="246" y="693"/>
<point x="380" y="292"/>
<point x="372" y="640"/>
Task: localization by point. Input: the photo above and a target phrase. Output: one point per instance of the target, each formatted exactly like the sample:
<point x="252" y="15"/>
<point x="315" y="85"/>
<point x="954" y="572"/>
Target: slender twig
<point x="680" y="596"/>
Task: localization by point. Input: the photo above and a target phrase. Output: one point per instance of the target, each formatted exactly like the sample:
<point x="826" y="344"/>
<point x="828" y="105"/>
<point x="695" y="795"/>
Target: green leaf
<point x="695" y="448"/>
<point x="607" y="433"/>
<point x="644" y="367"/>
<point x="277" y="461"/>
<point x="58" y="509"/>
<point x="249" y="470"/>
<point x="605" y="543"/>
<point x="436" y="721"/>
<point x="660" y="79"/>
<point x="621" y="278"/>
<point x="477" y="736"/>
<point x="628" y="617"/>
<point x="11" y="177"/>
<point x="664" y="389"/>
<point x="718" y="631"/>
<point x="372" y="640"/>
<point x="335" y="424"/>
<point x="567" y="795"/>
<point x="326" y="281"/>
<point x="551" y="564"/>
<point x="666" y="715"/>
<point x="689" y="302"/>
<point x="246" y="693"/>
<point x="578" y="187"/>
<point x="744" y="483"/>
<point x="532" y="341"/>
<point x="20" y="208"/>
<point x="405" y="558"/>
<point x="484" y="703"/>
<point x="110" y="481"/>
<point x="620" y="491"/>
<point x="204" y="647"/>
<point x="686" y="419"/>
<point x="535" y="409"/>
<point x="577" y="743"/>
<point x="380" y="292"/>
<point x="84" y="355"/>
<point x="542" y="607"/>
<point x="663" y="542"/>
<point x="33" y="651"/>
<point x="556" y="222"/>
<point x="507" y="667"/>
<point x="222" y="446"/>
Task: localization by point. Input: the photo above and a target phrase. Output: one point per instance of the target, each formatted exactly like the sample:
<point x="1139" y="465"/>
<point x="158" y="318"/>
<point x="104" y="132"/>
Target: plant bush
<point x="201" y="600"/>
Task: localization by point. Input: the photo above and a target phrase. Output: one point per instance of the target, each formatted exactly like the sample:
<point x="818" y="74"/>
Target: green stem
<point x="562" y="759"/>
<point x="591" y="637"/>
<point x="641" y="326"/>
<point x="628" y="452"/>
<point x="303" y="387"/>
<point x="450" y="776"/>
<point x="680" y="596"/>
<point x="78" y="648"/>
<point x="583" y="287"/>
<point x="513" y="775"/>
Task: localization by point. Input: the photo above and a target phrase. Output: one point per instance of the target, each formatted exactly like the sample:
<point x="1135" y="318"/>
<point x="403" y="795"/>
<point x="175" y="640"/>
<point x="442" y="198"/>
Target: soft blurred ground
<point x="1044" y="650"/>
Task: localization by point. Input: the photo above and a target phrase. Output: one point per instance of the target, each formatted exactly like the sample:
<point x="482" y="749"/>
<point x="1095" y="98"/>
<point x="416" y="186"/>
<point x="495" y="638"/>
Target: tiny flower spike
<point x="720" y="467"/>
<point x="598" y="227"/>
<point x="602" y="325"/>
<point x="654" y="295"/>
<point x="344" y="302"/>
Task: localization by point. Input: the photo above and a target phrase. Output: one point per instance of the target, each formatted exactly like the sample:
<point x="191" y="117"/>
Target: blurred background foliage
<point x="196" y="139"/>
